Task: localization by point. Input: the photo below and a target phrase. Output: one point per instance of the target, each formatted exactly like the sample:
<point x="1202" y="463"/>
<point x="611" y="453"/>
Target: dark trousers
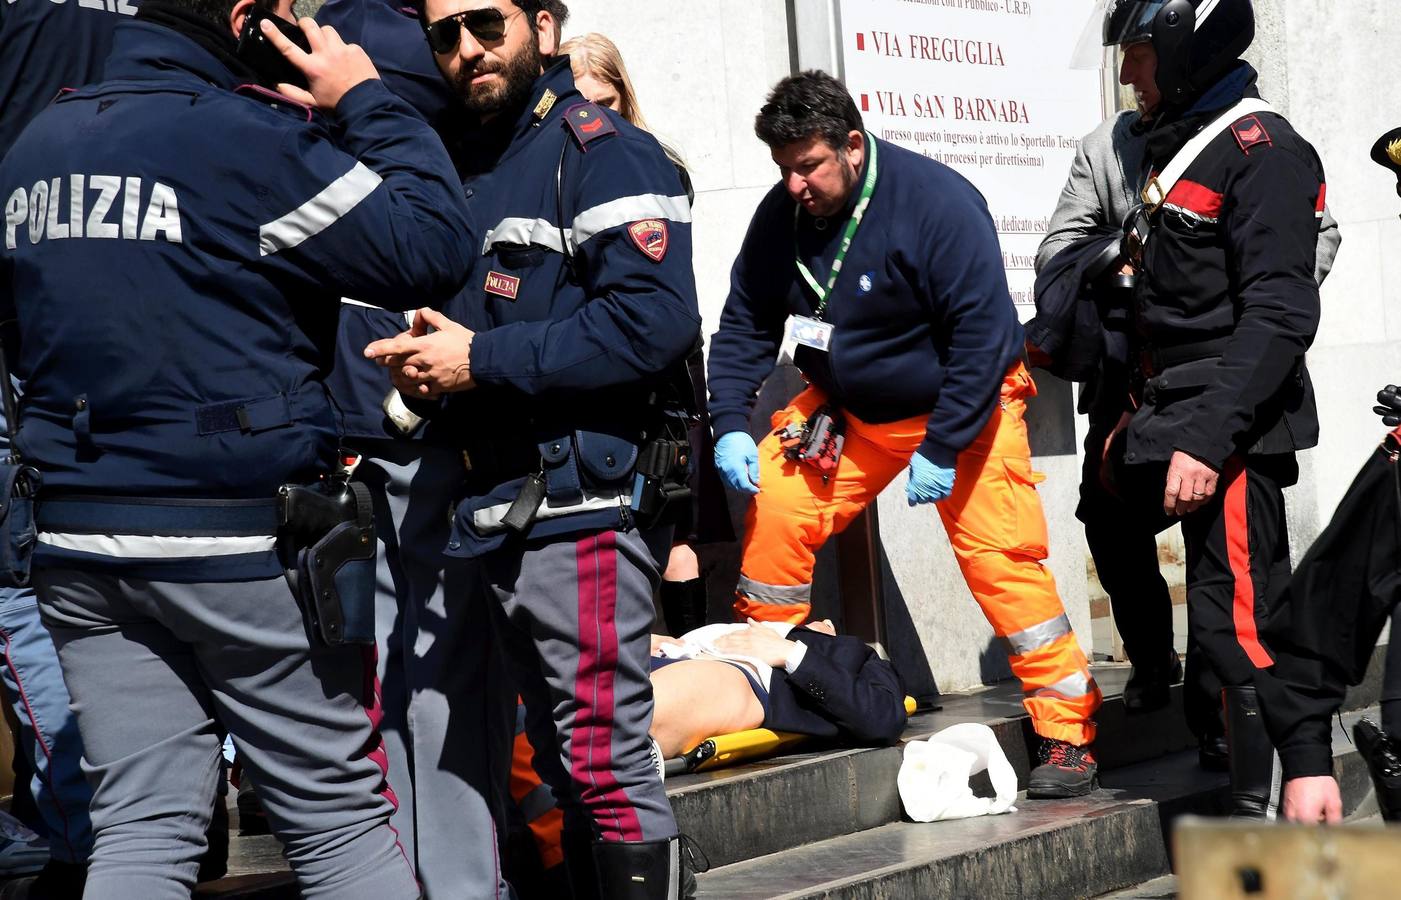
<point x="1237" y="556"/>
<point x="1123" y="543"/>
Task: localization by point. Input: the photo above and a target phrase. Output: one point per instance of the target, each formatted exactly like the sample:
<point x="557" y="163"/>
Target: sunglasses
<point x="487" y="24"/>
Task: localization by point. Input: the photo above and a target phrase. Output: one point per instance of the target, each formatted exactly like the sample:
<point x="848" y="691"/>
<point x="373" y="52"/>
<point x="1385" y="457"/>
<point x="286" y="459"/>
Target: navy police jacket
<point x="923" y="322"/>
<point x="582" y="300"/>
<point x="175" y="247"/>
<point x="50" y="46"/>
<point x="391" y="34"/>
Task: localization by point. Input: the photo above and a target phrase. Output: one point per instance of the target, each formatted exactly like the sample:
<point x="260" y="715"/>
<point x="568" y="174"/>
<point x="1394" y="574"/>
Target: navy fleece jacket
<point x="923" y="322"/>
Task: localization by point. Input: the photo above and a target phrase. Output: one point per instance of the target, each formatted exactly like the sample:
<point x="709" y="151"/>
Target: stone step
<point x="830" y="793"/>
<point x="1107" y="841"/>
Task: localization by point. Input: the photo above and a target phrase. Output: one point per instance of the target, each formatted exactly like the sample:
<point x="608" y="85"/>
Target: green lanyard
<point x="853" y="223"/>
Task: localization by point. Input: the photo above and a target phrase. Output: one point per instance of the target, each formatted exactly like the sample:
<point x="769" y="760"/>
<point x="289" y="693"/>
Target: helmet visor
<point x="1089" y="49"/>
<point x="1130" y="21"/>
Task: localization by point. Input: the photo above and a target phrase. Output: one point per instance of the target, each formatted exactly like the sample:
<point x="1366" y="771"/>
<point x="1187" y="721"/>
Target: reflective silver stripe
<point x="784" y="595"/>
<point x="141" y="546"/>
<point x="320" y="212"/>
<point x="628" y="209"/>
<point x="408" y="314"/>
<point x="673" y="870"/>
<point x="535" y="804"/>
<point x="589" y="223"/>
<point x="1037" y="636"/>
<point x="1072" y="687"/>
<point x="525" y="231"/>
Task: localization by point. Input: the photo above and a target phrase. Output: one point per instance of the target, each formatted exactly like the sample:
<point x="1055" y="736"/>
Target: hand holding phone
<point x="255" y="50"/>
<point x="330" y="66"/>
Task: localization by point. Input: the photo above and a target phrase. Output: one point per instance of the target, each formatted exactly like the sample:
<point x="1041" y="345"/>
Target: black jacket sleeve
<point x="867" y="704"/>
<point x="1325" y="629"/>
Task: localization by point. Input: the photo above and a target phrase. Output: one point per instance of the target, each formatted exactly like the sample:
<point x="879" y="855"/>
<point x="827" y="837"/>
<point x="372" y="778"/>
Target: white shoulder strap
<point x="1158" y="188"/>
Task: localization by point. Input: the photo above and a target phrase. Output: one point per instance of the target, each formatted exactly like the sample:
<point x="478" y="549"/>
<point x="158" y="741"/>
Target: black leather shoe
<point x="1212" y="754"/>
<point x="1383" y="756"/>
<point x="1150" y="687"/>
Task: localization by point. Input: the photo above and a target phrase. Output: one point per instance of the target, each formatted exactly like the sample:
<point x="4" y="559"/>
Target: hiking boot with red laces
<point x="1065" y="771"/>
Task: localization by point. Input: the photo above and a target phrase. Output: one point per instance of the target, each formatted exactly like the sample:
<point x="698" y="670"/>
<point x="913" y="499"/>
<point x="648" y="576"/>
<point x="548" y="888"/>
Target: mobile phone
<point x="262" y="57"/>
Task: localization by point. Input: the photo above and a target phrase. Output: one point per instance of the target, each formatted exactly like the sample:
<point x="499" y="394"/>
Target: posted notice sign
<point x="986" y="87"/>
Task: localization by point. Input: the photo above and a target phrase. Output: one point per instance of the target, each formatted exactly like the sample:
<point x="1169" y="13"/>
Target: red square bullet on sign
<point x="865" y="103"/>
<point x="860" y="41"/>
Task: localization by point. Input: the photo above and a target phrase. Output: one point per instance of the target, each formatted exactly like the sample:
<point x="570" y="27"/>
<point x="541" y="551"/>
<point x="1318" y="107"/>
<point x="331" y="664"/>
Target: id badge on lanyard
<point x="812" y="331"/>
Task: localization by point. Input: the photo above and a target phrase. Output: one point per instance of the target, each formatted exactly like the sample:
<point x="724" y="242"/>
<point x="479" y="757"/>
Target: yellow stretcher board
<point x="742" y="746"/>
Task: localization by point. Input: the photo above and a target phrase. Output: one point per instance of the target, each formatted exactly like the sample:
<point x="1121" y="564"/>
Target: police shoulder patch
<point x="651" y="237"/>
<point x="1249" y="132"/>
<point x="587" y="122"/>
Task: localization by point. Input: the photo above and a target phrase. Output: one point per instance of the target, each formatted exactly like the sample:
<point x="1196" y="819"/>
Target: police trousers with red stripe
<point x="1237" y="556"/>
<point x="573" y="616"/>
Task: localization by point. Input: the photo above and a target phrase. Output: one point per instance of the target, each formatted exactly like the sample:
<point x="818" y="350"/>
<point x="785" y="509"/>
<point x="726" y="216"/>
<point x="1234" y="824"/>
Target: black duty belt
<point x="168" y="516"/>
<point x="1154" y="360"/>
<point x="495" y="461"/>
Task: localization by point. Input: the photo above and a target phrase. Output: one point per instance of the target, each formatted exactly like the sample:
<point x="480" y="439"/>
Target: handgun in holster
<point x="816" y="442"/>
<point x="326" y="536"/>
<point x="662" y="479"/>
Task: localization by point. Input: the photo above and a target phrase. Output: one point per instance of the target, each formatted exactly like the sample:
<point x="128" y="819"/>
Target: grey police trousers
<point x="448" y="713"/>
<point x="573" y="616"/>
<point x="152" y="665"/>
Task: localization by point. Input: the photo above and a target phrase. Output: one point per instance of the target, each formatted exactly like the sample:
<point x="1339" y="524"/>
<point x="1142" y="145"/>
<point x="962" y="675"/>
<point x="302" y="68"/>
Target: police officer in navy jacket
<point x="445" y="712"/>
<point x="176" y="240"/>
<point x="581" y="302"/>
<point x="49" y="47"/>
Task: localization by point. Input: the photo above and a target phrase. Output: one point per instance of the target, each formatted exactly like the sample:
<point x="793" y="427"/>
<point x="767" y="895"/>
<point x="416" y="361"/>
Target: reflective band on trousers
<point x="537" y="803"/>
<point x="778" y="594"/>
<point x="1037" y="636"/>
<point x="1071" y="687"/>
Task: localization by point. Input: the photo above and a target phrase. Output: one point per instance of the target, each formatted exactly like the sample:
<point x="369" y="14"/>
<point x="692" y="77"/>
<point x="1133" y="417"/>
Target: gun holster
<point x="327" y="542"/>
<point x="18" y="486"/>
<point x="661" y="483"/>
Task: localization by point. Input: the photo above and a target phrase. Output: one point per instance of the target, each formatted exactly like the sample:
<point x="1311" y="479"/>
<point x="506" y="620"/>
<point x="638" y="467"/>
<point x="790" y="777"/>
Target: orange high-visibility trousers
<point x="994" y="523"/>
<point x="534" y="799"/>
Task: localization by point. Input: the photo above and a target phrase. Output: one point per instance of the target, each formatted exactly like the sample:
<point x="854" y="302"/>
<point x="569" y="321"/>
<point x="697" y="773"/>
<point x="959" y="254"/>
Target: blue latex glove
<point x="928" y="482"/>
<point x="737" y="459"/>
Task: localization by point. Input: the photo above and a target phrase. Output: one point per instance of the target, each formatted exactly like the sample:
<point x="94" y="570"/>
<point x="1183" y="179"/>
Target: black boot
<point x="1254" y="782"/>
<point x="579" y="864"/>
<point x="214" y="864"/>
<point x="639" y="870"/>
<point x="683" y="605"/>
<point x="1150" y="685"/>
<point x="1383" y="756"/>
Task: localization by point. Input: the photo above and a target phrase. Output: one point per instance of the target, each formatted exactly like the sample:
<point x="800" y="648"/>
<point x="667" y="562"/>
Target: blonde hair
<point x="594" y="54"/>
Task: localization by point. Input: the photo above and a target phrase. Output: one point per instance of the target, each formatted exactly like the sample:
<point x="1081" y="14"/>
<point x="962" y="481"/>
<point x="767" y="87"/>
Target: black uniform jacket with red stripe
<point x="1226" y="301"/>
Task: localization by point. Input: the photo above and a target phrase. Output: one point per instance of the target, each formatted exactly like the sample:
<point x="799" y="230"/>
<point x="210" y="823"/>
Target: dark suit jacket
<point x="842" y="689"/>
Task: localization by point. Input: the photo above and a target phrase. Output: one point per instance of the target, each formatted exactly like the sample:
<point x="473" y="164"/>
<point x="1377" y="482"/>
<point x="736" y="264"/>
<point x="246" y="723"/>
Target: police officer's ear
<point x="237" y="15"/>
<point x="547" y="30"/>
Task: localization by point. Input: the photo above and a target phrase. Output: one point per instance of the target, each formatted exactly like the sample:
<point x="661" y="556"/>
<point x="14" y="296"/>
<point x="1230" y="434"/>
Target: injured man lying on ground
<point x="800" y="679"/>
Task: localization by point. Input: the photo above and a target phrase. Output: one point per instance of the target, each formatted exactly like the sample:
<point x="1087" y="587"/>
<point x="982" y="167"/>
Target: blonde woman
<point x="600" y="75"/>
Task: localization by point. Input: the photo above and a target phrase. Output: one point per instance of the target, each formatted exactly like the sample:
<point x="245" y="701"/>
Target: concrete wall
<point x="1333" y="64"/>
